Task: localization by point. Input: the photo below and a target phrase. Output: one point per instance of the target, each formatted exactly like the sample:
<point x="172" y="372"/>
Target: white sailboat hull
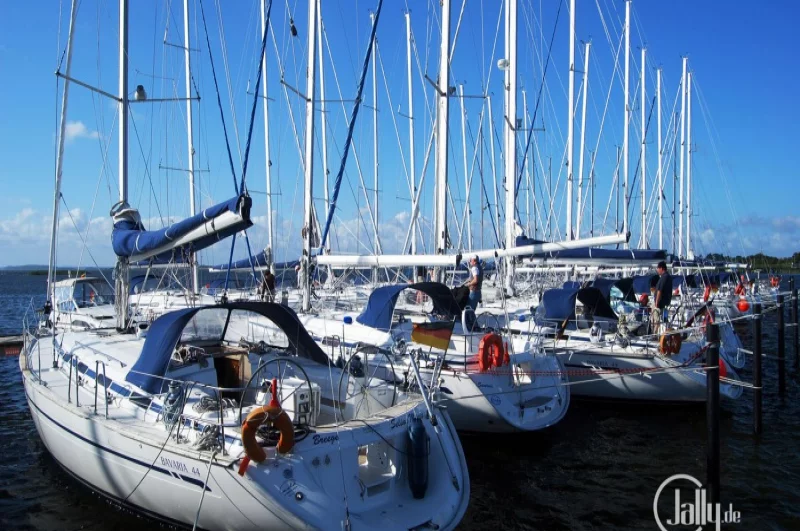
<point x="138" y="465"/>
<point x="617" y="374"/>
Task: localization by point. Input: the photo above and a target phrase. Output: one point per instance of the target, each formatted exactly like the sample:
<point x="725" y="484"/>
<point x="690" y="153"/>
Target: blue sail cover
<point x="165" y="333"/>
<point x="557" y="306"/>
<point x="624" y="285"/>
<point x="381" y="303"/>
<point x="648" y="255"/>
<point x="259" y="260"/>
<point x="130" y="238"/>
<point x="643" y="283"/>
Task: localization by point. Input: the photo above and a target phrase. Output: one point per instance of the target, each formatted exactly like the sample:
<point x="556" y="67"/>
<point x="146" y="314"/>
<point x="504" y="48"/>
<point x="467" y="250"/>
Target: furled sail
<point x="130" y="239"/>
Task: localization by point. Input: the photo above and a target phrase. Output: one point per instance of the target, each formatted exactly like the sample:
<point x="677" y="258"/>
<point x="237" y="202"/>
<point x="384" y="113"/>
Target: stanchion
<point x="757" y="368"/>
<point x="781" y="347"/>
<point x="712" y="413"/>
<point x="794" y="323"/>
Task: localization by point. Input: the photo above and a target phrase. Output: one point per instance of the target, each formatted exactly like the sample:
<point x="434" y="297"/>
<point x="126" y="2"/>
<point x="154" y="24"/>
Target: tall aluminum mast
<point x="660" y="170"/>
<point x="689" y="254"/>
<point x="587" y="47"/>
<point x="442" y="116"/>
<point x="643" y="159"/>
<point x="625" y="158"/>
<point x="190" y="132"/>
<point x="51" y="273"/>
<point x="571" y="121"/>
<point x="679" y="246"/>
<point x="308" y="221"/>
<point x="411" y="147"/>
<point x="510" y="147"/>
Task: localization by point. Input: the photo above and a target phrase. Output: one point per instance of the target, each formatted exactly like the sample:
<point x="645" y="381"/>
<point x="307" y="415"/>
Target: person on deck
<point x="474" y="284"/>
<point x="663" y="294"/>
<point x="268" y="286"/>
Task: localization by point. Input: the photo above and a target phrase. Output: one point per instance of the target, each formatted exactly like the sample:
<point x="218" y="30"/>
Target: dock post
<point x="793" y="288"/>
<point x="781" y="346"/>
<point x="757" y="368"/>
<point x="712" y="413"/>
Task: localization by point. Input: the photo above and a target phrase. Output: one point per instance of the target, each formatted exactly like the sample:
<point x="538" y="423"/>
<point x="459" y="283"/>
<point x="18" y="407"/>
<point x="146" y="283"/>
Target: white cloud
<point x="75" y="130"/>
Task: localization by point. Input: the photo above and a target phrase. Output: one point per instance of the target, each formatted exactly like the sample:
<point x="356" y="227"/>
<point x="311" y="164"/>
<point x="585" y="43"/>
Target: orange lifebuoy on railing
<point x="774" y="281"/>
<point x="280" y="419"/>
<point x="670" y="343"/>
<point x="491" y="352"/>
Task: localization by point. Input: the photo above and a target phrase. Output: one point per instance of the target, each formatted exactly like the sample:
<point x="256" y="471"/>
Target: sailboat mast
<point x="643" y="159"/>
<point x="627" y="118"/>
<point x="121" y="280"/>
<point x="375" y="138"/>
<point x="660" y="170"/>
<point x="51" y="273"/>
<point x="308" y="222"/>
<point x="587" y="47"/>
<point x="122" y="94"/>
<point x="526" y="125"/>
<point x="466" y="167"/>
<point x="591" y="192"/>
<point x="323" y="115"/>
<point x="442" y="115"/>
<point x="189" y="132"/>
<point x="675" y="243"/>
<point x="571" y="115"/>
<point x="679" y="247"/>
<point x="268" y="161"/>
<point x="412" y="162"/>
<point x="492" y="163"/>
<point x="689" y="166"/>
<point x="510" y="136"/>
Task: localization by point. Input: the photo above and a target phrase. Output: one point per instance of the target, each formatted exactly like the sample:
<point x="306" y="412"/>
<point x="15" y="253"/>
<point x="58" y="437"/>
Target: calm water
<point x="597" y="469"/>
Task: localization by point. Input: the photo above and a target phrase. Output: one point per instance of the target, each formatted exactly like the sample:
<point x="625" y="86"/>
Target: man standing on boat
<point x="663" y="292"/>
<point x="474" y="284"/>
<point x="268" y="286"/>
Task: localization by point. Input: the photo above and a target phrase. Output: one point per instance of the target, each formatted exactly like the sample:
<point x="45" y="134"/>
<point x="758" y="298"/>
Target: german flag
<point x="436" y="335"/>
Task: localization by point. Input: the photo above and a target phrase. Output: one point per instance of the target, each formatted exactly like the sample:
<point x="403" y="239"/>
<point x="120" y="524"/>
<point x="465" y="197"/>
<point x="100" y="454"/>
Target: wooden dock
<point x="10" y="345"/>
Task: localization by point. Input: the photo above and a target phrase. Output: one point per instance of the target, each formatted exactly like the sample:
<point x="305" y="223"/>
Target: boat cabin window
<point x="254" y="329"/>
<point x="88" y="293"/>
<point x="143" y="285"/>
<point x="206" y="325"/>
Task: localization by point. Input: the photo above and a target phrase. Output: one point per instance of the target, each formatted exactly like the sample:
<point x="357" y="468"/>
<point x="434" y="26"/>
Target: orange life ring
<point x="280" y="419"/>
<point x="669" y="343"/>
<point x="775" y="281"/>
<point x="491" y="352"/>
<point x="706" y="293"/>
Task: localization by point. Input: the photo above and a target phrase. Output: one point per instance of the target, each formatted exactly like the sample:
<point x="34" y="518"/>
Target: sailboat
<point x="227" y="416"/>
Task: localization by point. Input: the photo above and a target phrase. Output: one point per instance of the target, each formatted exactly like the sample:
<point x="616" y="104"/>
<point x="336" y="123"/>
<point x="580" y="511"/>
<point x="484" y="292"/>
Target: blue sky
<point x="745" y="132"/>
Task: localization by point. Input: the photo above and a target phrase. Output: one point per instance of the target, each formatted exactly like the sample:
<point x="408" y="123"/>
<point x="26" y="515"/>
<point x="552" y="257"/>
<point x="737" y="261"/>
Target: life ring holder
<point x="491" y="352"/>
<point x="279" y="418"/>
<point x="670" y="342"/>
<point x="277" y="360"/>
